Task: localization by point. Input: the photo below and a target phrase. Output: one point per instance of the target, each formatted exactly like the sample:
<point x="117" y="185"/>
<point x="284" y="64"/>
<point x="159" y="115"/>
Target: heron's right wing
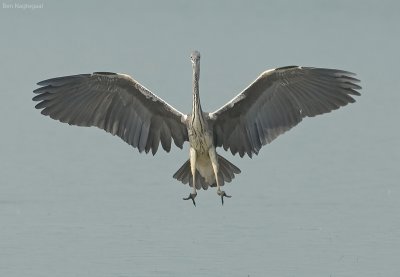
<point x="116" y="103"/>
<point x="277" y="101"/>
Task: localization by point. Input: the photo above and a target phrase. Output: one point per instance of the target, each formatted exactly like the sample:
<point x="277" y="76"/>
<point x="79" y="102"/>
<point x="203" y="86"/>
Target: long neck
<point x="196" y="108"/>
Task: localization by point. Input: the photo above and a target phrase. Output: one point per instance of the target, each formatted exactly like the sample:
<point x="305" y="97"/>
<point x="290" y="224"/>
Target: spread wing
<point x="116" y="103"/>
<point x="277" y="101"/>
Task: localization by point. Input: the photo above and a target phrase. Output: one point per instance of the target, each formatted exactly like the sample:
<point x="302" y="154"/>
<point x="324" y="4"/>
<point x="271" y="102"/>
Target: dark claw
<point x="223" y="194"/>
<point x="191" y="196"/>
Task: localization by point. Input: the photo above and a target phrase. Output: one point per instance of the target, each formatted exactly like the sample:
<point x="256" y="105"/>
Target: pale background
<point x="321" y="200"/>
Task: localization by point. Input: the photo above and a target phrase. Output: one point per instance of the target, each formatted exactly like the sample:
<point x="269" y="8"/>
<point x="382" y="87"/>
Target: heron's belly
<point x="202" y="141"/>
<point x="204" y="166"/>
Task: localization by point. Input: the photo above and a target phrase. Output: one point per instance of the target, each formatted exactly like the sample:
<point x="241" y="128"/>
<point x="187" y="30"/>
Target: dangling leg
<point x="214" y="161"/>
<point x="193" y="156"/>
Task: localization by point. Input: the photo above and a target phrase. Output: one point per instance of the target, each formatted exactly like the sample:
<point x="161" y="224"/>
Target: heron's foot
<point x="191" y="196"/>
<point x="223" y="194"/>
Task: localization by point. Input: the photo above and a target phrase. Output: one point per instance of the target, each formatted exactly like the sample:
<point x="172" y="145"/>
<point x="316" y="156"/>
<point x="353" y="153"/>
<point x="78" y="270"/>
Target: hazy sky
<point x="321" y="200"/>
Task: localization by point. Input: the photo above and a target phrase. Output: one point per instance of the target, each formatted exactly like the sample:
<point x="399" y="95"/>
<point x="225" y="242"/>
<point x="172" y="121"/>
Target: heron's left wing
<point x="277" y="101"/>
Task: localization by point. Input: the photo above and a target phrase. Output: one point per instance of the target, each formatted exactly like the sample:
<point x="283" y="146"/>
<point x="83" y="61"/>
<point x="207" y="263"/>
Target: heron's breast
<point x="200" y="141"/>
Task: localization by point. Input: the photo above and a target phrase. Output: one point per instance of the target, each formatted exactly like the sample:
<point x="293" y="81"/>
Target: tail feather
<point x="227" y="172"/>
<point x="183" y="174"/>
<point x="200" y="182"/>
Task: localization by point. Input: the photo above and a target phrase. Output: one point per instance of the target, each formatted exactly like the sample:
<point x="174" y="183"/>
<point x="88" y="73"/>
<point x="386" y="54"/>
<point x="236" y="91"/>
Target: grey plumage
<point x="277" y="101"/>
<point x="115" y="103"/>
<point x="274" y="103"/>
<point x="226" y="174"/>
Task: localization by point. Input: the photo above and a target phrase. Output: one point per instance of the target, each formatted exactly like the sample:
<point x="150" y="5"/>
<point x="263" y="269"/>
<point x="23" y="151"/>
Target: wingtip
<point x="38" y="90"/>
<point x="43" y="82"/>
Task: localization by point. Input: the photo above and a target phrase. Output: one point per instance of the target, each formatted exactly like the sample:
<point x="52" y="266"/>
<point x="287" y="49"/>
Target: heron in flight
<point x="274" y="103"/>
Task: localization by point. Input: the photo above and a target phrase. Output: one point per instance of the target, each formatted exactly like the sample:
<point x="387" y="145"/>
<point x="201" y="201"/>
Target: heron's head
<point x="195" y="57"/>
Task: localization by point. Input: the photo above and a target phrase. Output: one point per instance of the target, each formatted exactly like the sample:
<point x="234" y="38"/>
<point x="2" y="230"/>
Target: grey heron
<point x="274" y="103"/>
